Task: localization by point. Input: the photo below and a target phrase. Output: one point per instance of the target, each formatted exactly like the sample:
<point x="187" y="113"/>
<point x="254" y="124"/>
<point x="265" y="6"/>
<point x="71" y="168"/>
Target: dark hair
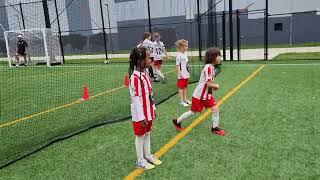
<point x="146" y="35"/>
<point x="137" y="55"/>
<point x="211" y="55"/>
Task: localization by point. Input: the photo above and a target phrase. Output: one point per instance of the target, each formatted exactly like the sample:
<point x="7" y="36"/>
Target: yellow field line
<point x="60" y="107"/>
<point x="136" y="172"/>
<point x="56" y="108"/>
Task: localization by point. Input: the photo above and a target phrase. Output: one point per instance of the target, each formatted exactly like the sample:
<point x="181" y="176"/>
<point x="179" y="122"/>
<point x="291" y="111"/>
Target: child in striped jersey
<point x="202" y="96"/>
<point x="142" y="106"/>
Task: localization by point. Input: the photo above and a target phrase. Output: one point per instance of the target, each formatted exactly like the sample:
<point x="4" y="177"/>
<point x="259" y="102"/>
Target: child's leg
<point x="215" y="116"/>
<point x="139" y="142"/>
<point x="146" y="145"/>
<point x="159" y="73"/>
<point x="156" y="72"/>
<point x="185" y="94"/>
<point x="25" y="59"/>
<point x="147" y="150"/>
<point x="153" y="70"/>
<point x="215" y="122"/>
<point x="185" y="97"/>
<point x="181" y="95"/>
<point x="185" y="116"/>
<point x="17" y="58"/>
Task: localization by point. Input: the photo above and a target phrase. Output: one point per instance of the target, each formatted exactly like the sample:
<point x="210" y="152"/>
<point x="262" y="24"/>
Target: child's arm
<point x="178" y="62"/>
<point x="213" y="85"/>
<point x="166" y="53"/>
<point x="179" y="72"/>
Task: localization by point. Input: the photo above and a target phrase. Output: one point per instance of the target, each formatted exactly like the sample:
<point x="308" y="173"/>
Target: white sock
<point x="154" y="73"/>
<point x="139" y="147"/>
<point x="146" y="146"/>
<point x="159" y="73"/>
<point x="215" y="119"/>
<point x="185" y="116"/>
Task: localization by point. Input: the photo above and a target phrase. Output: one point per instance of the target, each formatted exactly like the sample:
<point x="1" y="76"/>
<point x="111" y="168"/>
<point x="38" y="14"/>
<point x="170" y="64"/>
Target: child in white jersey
<point x="147" y="43"/>
<point x="183" y="72"/>
<point x="142" y="107"/>
<point x="159" y="51"/>
<point x="202" y="96"/>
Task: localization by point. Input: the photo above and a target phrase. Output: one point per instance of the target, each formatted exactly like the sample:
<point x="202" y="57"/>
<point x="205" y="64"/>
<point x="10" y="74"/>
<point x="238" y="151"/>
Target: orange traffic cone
<point x="126" y="80"/>
<point x="85" y="94"/>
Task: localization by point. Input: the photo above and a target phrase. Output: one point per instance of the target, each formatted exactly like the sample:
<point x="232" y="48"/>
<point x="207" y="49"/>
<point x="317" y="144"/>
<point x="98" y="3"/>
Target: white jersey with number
<point x="147" y="44"/>
<point x="201" y="91"/>
<point x="183" y="63"/>
<point x="142" y="105"/>
<point x="158" y="53"/>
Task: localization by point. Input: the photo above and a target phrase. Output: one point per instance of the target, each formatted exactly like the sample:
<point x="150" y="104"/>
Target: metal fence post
<point x="224" y="34"/>
<point x="22" y="16"/>
<point x="59" y="31"/>
<point x="238" y="35"/>
<point x="149" y="16"/>
<point x="46" y="13"/>
<point x="266" y="38"/>
<point x="103" y="31"/>
<point x="199" y="30"/>
<point x="230" y="30"/>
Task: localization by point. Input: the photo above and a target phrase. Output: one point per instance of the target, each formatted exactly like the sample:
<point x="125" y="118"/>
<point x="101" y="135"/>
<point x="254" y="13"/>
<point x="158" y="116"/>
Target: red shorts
<point x="157" y="62"/>
<point x="198" y="105"/>
<point x="182" y="83"/>
<point x="139" y="130"/>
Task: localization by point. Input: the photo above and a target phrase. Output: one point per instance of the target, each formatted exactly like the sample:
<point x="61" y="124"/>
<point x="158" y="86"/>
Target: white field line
<point x="246" y="54"/>
<point x="126" y="65"/>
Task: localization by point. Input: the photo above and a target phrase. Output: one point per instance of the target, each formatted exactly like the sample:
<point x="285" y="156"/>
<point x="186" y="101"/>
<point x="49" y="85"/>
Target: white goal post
<point x="43" y="46"/>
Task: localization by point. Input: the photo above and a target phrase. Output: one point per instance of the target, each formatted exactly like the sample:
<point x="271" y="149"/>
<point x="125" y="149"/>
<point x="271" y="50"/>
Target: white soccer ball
<point x="106" y="62"/>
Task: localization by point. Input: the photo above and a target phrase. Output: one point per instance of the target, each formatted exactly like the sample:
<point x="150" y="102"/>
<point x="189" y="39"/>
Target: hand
<point x="155" y="114"/>
<point x="217" y="87"/>
<point x="144" y="123"/>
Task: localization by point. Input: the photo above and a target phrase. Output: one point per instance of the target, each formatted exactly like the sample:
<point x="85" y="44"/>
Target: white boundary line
<point x="246" y="54"/>
<point x="108" y="66"/>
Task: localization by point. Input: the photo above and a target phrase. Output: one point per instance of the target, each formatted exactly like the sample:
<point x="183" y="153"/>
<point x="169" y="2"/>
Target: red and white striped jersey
<point x="142" y="105"/>
<point x="201" y="91"/>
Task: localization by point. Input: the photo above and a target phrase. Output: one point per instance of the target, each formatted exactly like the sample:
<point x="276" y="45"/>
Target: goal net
<point x="42" y="46"/>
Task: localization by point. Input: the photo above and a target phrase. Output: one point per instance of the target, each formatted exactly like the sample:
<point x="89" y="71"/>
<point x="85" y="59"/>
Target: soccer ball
<point x="106" y="62"/>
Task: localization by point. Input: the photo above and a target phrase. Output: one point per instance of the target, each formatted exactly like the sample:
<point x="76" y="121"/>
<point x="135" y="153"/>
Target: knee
<point x="192" y="113"/>
<point x="215" y="109"/>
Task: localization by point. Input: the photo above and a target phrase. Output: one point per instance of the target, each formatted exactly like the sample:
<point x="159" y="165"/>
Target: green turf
<point x="28" y="91"/>
<point x="298" y="56"/>
<point x="271" y="124"/>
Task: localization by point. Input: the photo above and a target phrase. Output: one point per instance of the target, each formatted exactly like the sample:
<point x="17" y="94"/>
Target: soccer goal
<point x="42" y="46"/>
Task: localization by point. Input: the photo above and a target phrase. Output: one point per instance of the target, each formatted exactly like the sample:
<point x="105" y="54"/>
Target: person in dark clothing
<point x="21" y="50"/>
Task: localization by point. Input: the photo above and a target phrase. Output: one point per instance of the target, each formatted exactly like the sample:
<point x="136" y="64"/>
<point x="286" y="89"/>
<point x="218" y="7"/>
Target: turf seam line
<point x="138" y="171"/>
<point x="50" y="74"/>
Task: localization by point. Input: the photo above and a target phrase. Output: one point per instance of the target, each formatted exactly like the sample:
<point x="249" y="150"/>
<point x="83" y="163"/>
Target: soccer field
<point x="271" y="123"/>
